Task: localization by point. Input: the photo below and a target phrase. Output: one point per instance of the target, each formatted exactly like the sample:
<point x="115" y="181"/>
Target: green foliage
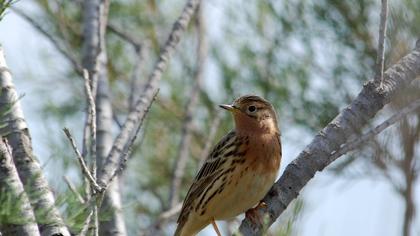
<point x="4" y="4"/>
<point x="10" y="208"/>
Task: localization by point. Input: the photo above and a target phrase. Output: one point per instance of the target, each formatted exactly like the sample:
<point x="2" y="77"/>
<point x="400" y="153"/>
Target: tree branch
<point x="17" y="134"/>
<point x="20" y="216"/>
<point x="137" y="44"/>
<point x="380" y="57"/>
<point x="356" y="142"/>
<point x="85" y="170"/>
<point x="133" y="119"/>
<point x="74" y="190"/>
<point x="62" y="49"/>
<point x="317" y="155"/>
<point x="95" y="60"/>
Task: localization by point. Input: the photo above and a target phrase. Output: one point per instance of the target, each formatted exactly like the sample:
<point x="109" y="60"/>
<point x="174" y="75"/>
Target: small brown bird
<point x="238" y="172"/>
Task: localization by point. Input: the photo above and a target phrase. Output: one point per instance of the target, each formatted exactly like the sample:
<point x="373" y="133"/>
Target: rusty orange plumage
<point x="238" y="172"/>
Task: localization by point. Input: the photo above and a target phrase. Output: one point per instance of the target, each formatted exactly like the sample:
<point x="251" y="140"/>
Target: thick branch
<point x="316" y="156"/>
<point x="30" y="172"/>
<point x="20" y="219"/>
<point x="134" y="117"/>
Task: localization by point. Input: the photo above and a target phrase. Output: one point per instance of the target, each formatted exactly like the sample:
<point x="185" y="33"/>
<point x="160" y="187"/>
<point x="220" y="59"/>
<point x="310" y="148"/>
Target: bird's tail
<point x="179" y="230"/>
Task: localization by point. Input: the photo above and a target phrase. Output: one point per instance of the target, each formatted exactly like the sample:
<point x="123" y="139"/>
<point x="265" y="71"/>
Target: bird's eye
<point x="252" y="109"/>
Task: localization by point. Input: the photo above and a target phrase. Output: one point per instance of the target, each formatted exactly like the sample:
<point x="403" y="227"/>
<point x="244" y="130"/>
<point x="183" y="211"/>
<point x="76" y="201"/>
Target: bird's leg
<point x="213" y="222"/>
<point x="252" y="213"/>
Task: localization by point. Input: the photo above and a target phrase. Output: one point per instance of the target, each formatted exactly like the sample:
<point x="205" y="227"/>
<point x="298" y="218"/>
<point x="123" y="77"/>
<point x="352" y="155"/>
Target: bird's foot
<point x="252" y="214"/>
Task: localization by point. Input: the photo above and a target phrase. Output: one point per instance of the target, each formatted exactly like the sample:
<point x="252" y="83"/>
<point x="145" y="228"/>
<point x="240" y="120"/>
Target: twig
<point x="128" y="148"/>
<point x="137" y="44"/>
<point x="62" y="49"/>
<point x="183" y="151"/>
<point x="155" y="227"/>
<point x="74" y="190"/>
<point x="133" y="119"/>
<point x="92" y="122"/>
<point x="380" y="57"/>
<point x="135" y="83"/>
<point x="353" y="144"/>
<point x="82" y="163"/>
<point x="171" y="212"/>
<point x="85" y="228"/>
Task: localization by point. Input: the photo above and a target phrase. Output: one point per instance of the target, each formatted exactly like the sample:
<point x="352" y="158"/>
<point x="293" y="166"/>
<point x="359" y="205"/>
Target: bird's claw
<point x="252" y="214"/>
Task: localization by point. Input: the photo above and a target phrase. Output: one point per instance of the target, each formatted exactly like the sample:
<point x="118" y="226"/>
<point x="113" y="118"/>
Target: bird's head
<point x="253" y="114"/>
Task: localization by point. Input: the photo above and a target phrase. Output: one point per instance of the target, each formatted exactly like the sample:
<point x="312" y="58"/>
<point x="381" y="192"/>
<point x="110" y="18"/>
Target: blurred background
<point x="309" y="58"/>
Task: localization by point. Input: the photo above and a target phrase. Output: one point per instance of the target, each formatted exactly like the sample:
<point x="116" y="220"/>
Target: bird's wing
<point x="223" y="150"/>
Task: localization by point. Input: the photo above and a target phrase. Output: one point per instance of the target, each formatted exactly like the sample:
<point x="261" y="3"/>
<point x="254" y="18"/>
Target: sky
<point x="333" y="205"/>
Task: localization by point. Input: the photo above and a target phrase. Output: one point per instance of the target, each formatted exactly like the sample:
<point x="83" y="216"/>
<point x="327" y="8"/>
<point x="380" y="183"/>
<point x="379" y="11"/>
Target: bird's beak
<point x="227" y="107"/>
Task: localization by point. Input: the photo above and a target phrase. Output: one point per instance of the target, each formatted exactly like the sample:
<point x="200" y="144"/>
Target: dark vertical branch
<point x="191" y="106"/>
<point x="17" y="134"/>
<point x="409" y="138"/>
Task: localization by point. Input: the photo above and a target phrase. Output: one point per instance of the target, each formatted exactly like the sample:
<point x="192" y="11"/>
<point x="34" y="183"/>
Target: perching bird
<point x="238" y="172"/>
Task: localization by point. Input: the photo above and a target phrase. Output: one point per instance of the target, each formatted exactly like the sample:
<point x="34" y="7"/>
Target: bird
<point x="238" y="172"/>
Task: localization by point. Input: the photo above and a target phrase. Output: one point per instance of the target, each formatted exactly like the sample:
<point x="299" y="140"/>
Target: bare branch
<point x="133" y="119"/>
<point x="127" y="151"/>
<point x="95" y="60"/>
<point x="317" y="154"/>
<point x="186" y="133"/>
<point x="355" y="143"/>
<point x="62" y="49"/>
<point x="74" y="190"/>
<point x="135" y="84"/>
<point x="83" y="166"/>
<point x="92" y="121"/>
<point x="137" y="44"/>
<point x="89" y="130"/>
<point x="155" y="227"/>
<point x="380" y="57"/>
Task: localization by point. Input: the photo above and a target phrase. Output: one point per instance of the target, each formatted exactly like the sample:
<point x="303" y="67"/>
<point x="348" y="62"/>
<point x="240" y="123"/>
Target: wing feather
<point x="207" y="173"/>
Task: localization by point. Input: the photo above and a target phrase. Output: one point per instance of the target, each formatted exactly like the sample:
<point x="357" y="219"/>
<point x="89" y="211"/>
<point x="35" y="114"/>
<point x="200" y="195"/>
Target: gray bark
<point x="95" y="61"/>
<point x="30" y="172"/>
<point x="348" y="123"/>
<point x="20" y="217"/>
